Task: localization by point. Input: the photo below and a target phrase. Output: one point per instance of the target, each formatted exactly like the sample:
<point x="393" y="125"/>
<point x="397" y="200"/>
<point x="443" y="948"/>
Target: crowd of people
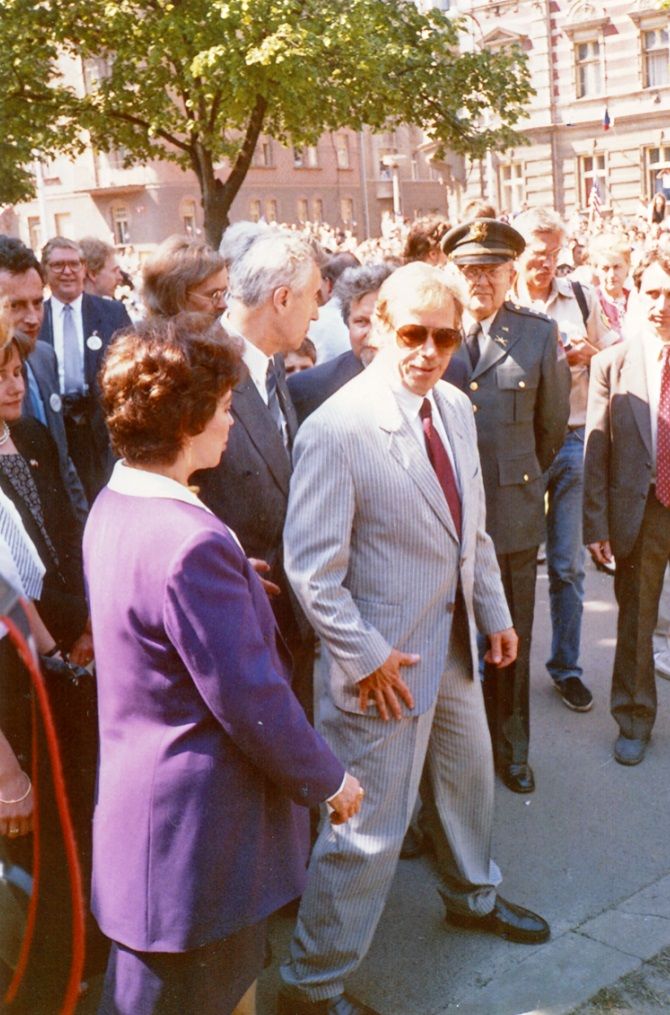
<point x="296" y="449"/>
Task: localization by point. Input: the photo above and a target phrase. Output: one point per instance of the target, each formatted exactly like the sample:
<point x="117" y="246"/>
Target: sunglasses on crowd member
<point x="414" y="335"/>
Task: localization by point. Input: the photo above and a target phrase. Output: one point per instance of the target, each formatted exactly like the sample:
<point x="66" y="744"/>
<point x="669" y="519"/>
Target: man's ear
<point x="280" y="297"/>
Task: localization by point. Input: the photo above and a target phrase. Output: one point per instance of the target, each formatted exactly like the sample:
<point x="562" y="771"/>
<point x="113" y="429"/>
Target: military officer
<point x="519" y="386"/>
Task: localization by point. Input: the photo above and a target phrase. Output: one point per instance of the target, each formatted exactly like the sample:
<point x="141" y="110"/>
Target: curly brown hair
<point x="161" y="381"/>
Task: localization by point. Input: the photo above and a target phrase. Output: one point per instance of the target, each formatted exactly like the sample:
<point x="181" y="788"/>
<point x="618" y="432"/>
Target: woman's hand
<point x="16" y="818"/>
<point x="347" y="802"/>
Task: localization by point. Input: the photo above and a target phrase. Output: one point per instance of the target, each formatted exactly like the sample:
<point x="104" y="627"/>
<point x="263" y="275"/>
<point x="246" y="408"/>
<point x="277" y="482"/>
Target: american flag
<point x="594" y="199"/>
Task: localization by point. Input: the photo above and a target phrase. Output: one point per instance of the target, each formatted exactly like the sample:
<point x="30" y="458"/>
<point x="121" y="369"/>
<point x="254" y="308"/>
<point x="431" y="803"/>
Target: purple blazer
<point x="203" y="746"/>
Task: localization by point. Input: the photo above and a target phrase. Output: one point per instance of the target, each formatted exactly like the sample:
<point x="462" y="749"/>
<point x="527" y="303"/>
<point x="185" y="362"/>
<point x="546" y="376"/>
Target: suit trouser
<point x="353" y="865"/>
<point x="638" y="584"/>
<point x="507" y="691"/>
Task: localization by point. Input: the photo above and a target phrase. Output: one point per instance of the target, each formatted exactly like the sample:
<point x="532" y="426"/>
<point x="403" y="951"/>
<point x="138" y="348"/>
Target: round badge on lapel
<point x="55" y="402"/>
<point x="94" y="342"/>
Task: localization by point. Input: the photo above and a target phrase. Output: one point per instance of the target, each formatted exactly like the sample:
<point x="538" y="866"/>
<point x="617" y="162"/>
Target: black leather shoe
<point x="506" y="920"/>
<point x="518" y="778"/>
<point x="292" y="1002"/>
<point x="412" y="844"/>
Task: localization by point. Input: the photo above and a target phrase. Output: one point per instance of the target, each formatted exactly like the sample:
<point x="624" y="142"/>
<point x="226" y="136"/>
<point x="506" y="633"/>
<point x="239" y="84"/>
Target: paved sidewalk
<point x="589" y="850"/>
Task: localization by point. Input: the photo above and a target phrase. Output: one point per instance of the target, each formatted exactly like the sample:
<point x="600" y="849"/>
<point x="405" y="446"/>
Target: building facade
<point x="347" y="180"/>
<point x="601" y="113"/>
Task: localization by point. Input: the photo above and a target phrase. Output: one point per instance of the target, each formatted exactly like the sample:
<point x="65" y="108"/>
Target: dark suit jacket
<point x="102" y="318"/>
<point x="249" y="489"/>
<point x="196" y="715"/>
<point x="44" y="365"/>
<point x="618" y="461"/>
<point x="62" y="606"/>
<point x="520" y="391"/>
<point x="310" y="388"/>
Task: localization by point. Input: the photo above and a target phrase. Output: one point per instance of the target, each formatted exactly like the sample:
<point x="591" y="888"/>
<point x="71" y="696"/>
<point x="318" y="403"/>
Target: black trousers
<point x="507" y="691"/>
<point x="637" y="585"/>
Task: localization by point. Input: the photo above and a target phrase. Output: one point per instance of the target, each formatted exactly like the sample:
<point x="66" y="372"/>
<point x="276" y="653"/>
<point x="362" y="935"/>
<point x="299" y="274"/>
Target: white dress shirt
<point x="57" y="310"/>
<point x="410" y="406"/>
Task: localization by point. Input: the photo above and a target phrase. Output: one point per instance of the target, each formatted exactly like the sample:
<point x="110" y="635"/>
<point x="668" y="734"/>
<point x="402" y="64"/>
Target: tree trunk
<point x="218" y="195"/>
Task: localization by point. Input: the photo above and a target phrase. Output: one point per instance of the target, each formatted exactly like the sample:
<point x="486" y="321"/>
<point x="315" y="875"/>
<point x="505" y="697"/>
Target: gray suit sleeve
<point x="317" y="545"/>
<point x="596" y="455"/>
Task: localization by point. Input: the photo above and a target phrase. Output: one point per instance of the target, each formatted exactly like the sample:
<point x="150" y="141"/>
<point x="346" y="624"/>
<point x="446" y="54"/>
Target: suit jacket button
<point x="522" y="384"/>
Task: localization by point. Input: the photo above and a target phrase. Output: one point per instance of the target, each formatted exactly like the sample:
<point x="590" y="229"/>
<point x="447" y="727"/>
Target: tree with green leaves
<point x="197" y="81"/>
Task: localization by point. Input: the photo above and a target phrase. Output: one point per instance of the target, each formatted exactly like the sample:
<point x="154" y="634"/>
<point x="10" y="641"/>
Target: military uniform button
<point x="526" y="477"/>
<point x="474" y="386"/>
<point x="474" y="408"/>
<point x="522" y="384"/>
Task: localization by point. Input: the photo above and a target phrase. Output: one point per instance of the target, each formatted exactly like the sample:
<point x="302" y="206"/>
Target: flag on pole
<point x="607" y="123"/>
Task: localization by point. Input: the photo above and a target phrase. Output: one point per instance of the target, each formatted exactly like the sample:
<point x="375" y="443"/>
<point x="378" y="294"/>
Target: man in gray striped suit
<point x="387" y="550"/>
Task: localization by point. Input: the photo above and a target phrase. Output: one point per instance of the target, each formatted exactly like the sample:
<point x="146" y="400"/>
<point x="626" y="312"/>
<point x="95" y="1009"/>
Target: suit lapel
<point x="405" y="449"/>
<point x="497" y="344"/>
<point x="634" y="379"/>
<point x="252" y="413"/>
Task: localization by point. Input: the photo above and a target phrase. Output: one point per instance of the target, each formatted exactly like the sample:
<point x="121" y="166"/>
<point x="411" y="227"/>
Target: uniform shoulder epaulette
<point x="519" y="308"/>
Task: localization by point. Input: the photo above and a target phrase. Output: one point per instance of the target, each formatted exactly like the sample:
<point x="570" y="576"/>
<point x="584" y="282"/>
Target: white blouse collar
<point x="140" y="483"/>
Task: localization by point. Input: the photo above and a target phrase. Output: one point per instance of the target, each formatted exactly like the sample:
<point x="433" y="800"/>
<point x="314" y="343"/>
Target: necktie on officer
<point x="441" y="463"/>
<point x="472" y="343"/>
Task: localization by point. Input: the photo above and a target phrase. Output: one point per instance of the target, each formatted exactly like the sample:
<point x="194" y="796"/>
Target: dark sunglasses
<point x="414" y="335"/>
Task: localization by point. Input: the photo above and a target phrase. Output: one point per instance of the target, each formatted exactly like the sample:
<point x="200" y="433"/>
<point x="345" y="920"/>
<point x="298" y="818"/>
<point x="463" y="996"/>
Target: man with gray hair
<point x="356" y="293"/>
<point x="79" y="327"/>
<point x="273" y="289"/>
<point x="237" y="239"/>
<point x="583" y="331"/>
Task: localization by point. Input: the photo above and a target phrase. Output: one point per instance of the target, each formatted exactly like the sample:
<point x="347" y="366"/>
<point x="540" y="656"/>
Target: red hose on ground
<point x="41" y="703"/>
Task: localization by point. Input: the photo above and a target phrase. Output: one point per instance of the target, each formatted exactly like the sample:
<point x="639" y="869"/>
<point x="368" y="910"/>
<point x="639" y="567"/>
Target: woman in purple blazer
<point x="204" y="750"/>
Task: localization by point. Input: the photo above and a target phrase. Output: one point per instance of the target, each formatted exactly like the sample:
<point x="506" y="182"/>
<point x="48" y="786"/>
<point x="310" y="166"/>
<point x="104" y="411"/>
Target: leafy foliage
<point x="196" y="81"/>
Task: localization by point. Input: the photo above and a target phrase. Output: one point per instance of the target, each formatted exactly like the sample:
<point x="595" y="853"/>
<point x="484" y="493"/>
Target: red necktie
<point x="663" y="435"/>
<point x="440" y="461"/>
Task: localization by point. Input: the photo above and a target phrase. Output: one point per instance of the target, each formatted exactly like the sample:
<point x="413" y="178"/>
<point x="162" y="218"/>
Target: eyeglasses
<point x="216" y="298"/>
<point x="414" y="335"/>
<point x="473" y="272"/>
<point x="60" y="267"/>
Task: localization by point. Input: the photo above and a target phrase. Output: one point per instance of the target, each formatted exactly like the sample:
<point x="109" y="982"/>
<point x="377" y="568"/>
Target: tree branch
<point x="137" y="121"/>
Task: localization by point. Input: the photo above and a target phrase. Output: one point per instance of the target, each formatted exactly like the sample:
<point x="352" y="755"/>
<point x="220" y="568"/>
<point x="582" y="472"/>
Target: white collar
<point x="75" y="304"/>
<point x="255" y="360"/>
<point x="140" y="483"/>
